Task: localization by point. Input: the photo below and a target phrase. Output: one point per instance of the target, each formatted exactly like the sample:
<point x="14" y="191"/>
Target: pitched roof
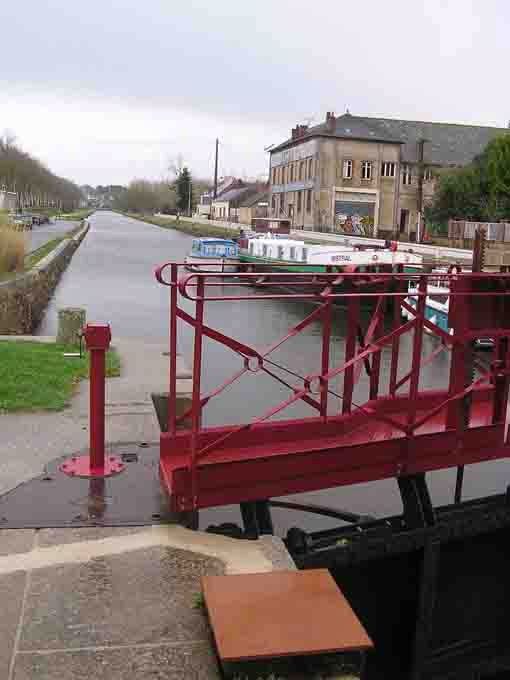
<point x="233" y="194"/>
<point x="259" y="197"/>
<point x="445" y="143"/>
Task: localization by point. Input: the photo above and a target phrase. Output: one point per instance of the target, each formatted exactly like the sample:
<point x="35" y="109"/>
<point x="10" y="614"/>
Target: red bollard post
<point x="97" y="341"/>
<point x="96" y="464"/>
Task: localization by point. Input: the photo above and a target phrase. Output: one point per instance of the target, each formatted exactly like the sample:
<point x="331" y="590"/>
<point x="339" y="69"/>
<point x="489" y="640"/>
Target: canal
<point x="111" y="276"/>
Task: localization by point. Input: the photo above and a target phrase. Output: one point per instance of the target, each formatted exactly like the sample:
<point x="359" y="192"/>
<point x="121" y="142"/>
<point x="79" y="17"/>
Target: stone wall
<point x="23" y="299"/>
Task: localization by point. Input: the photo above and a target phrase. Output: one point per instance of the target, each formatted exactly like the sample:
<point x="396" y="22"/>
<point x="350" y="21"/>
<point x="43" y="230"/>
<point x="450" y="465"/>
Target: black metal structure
<point x="432" y="586"/>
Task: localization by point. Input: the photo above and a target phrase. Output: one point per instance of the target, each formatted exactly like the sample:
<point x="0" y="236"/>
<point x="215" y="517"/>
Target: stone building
<point x="227" y="206"/>
<point x="254" y="206"/>
<point x="8" y="200"/>
<point x="366" y="175"/>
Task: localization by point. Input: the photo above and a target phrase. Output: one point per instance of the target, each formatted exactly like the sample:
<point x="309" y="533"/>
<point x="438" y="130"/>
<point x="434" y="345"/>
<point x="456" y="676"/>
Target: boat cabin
<point x="289" y="250"/>
<point x="286" y="250"/>
<point x="214" y="248"/>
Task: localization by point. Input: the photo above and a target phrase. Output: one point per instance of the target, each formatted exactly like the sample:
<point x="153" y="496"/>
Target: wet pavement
<point x="114" y="603"/>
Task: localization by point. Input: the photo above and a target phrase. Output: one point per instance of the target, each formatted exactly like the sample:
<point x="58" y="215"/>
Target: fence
<point x="494" y="231"/>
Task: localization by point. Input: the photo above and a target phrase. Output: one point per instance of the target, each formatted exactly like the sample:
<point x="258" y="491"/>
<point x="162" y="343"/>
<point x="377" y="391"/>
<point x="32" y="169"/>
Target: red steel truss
<point x="396" y="431"/>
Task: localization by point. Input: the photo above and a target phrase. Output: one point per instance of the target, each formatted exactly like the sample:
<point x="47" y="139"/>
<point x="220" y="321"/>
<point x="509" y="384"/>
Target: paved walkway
<point x="118" y="604"/>
<point x="47" y="232"/>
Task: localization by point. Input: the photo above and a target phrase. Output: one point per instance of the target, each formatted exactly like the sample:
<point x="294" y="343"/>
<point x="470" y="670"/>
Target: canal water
<point x="111" y="275"/>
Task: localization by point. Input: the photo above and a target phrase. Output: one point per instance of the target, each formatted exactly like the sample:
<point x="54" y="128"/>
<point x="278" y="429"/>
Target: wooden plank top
<point x="286" y="613"/>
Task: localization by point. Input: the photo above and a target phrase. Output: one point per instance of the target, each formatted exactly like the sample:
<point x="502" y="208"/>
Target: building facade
<point x="8" y="200"/>
<point x="369" y="176"/>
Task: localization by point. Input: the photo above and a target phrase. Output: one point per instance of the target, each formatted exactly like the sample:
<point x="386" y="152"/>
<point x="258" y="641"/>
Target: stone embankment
<point x="23" y="298"/>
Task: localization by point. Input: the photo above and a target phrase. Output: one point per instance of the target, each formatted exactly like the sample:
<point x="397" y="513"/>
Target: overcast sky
<point x="106" y="90"/>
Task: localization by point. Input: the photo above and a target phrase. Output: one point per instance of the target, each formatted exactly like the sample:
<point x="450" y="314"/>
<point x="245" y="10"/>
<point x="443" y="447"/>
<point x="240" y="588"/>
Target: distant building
<point x="8" y="200"/>
<point x="227" y="205"/>
<point x="256" y="205"/>
<point x="203" y="207"/>
<point x="356" y="174"/>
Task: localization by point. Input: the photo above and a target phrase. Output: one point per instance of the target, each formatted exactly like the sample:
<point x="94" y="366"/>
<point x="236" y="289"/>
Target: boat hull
<point x="298" y="286"/>
<point x="211" y="265"/>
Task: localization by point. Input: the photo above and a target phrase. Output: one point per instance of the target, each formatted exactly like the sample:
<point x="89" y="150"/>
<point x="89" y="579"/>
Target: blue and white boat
<point x="437" y="305"/>
<point x="437" y="302"/>
<point x="213" y="255"/>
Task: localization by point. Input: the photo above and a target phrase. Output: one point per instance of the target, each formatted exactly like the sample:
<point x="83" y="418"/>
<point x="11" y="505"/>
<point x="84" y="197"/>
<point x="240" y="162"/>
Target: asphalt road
<point x="47" y="232"/>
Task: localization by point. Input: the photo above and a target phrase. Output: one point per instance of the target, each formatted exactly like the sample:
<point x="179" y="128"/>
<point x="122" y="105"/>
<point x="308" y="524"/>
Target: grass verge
<point x="36" y="376"/>
<point x="37" y="255"/>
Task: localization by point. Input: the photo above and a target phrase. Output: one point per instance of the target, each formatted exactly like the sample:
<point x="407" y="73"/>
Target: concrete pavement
<point x="47" y="232"/>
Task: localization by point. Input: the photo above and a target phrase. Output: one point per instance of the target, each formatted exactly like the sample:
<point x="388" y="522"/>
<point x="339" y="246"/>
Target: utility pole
<point x="421" y="170"/>
<point x="216" y="170"/>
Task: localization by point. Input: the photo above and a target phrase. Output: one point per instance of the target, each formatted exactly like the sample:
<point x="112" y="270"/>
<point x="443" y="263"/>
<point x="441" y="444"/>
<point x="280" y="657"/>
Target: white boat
<point x="281" y="251"/>
<point x="213" y="255"/>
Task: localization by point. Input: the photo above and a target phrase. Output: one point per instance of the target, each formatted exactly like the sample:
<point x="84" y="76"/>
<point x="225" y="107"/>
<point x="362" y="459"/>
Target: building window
<point x="299" y="201"/>
<point x="428" y="175"/>
<point x="388" y="170"/>
<point x="406" y="174"/>
<point x="273" y="202"/>
<point x="282" y="203"/>
<point x="292" y="252"/>
<point x="302" y="171"/>
<point x="366" y="170"/>
<point x="291" y="172"/>
<point x="304" y="254"/>
<point x="310" y="168"/>
<point x="309" y="201"/>
<point x="347" y="169"/>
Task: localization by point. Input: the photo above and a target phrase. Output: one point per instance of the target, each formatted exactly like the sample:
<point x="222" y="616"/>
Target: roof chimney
<point x="330" y="121"/>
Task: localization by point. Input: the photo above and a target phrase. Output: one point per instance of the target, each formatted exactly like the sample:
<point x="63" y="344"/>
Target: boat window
<point x="264" y="250"/>
<point x="252" y="248"/>
<point x="293" y="252"/>
<point x="442" y="299"/>
<point x="304" y="254"/>
<point x="280" y="252"/>
<point x="196" y="246"/>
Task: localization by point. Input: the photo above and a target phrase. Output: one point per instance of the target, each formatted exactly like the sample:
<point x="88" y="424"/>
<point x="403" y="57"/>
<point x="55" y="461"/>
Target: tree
<point x="143" y="196"/>
<point x="478" y="192"/>
<point x="35" y="185"/>
<point x="183" y="190"/>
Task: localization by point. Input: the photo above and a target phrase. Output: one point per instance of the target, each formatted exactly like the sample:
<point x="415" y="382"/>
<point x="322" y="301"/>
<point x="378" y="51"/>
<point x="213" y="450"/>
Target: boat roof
<point x="211" y="239"/>
<point x="280" y="241"/>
